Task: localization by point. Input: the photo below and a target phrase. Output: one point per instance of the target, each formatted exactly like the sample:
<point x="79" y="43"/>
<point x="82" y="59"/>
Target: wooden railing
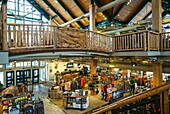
<point x="145" y="41"/>
<point x="46" y="36"/>
<point x="43" y="36"/>
<point x="165" y="41"/>
<point x="111" y="108"/>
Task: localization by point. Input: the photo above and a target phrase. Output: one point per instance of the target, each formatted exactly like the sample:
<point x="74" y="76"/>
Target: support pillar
<point x="157" y="15"/>
<point x="157" y="73"/>
<point x="93" y="66"/>
<point x="92" y="17"/>
<point x="4" y="25"/>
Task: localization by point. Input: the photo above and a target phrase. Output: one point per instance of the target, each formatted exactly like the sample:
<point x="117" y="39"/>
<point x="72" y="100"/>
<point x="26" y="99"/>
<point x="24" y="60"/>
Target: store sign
<point x="4" y="58"/>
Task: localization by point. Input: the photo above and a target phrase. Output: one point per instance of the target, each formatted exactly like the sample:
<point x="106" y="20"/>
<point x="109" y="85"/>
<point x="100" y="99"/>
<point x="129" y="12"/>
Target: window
<point x="23" y="10"/>
<point x="42" y="63"/>
<point x="9" y="65"/>
<point x="19" y="64"/>
<point x="35" y="63"/>
<point x="2" y="77"/>
<point x="1" y="66"/>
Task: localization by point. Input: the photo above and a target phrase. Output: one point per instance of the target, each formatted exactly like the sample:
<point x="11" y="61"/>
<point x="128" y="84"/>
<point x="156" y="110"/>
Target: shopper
<point x="132" y="84"/>
<point x="56" y="78"/>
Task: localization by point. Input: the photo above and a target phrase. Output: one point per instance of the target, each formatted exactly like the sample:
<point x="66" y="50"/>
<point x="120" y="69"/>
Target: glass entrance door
<point x="22" y="76"/>
<point x="35" y="76"/>
<point x="9" y="78"/>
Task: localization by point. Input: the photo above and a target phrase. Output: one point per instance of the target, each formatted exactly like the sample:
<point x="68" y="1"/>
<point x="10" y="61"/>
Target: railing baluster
<point x="141" y="40"/>
<point x="144" y="41"/>
<point x="28" y="36"/>
<point x="24" y="37"/>
<point x="55" y="37"/>
<point x="138" y="40"/>
<point x="32" y="41"/>
<point x="133" y="41"/>
<point x="43" y="37"/>
<point x="125" y="42"/>
<point x="47" y="34"/>
<point x="9" y="37"/>
<point x="148" y="41"/>
<point x="51" y="35"/>
<point x="19" y="36"/>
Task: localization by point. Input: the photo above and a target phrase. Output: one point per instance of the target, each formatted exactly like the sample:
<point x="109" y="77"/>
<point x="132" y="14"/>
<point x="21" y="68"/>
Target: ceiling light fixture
<point x="129" y="2"/>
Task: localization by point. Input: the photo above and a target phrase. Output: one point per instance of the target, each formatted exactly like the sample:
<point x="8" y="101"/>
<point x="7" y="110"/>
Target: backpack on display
<point x="39" y="107"/>
<point x="28" y="109"/>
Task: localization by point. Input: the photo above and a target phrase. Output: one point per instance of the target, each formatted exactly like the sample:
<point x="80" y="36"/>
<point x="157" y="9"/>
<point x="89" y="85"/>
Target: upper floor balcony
<point x="24" y="39"/>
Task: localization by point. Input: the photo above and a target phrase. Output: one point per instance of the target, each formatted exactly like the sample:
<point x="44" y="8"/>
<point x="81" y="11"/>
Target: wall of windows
<point x="22" y="12"/>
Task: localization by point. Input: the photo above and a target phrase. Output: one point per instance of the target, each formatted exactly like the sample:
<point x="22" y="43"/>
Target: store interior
<point x="79" y="56"/>
<point x="70" y="84"/>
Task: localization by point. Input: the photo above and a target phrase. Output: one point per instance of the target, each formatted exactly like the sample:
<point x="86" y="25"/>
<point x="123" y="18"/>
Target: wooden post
<point x="166" y="102"/>
<point x="55" y="37"/>
<point x="4" y="25"/>
<point x="92" y="17"/>
<point x="157" y="15"/>
<point x="93" y="66"/>
<point x="157" y="73"/>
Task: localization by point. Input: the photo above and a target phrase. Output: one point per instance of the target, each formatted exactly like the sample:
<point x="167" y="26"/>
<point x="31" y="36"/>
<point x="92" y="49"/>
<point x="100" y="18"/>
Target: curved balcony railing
<point x="45" y="36"/>
<point x="52" y="37"/>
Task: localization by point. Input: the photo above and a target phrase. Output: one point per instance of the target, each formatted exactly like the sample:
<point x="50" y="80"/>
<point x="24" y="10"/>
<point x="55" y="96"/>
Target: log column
<point x="157" y="15"/>
<point x="92" y="17"/>
<point x="4" y="25"/>
<point x="157" y="73"/>
<point x="93" y="66"/>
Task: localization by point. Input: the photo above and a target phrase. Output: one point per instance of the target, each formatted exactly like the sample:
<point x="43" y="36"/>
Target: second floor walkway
<point x="38" y="38"/>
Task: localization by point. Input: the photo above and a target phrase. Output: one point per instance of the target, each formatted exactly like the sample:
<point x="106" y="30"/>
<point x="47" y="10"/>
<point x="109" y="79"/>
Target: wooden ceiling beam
<point x="79" y="6"/>
<point x="138" y="10"/>
<point x="147" y="15"/>
<point x="69" y="13"/>
<point x="118" y="10"/>
<point x="55" y="11"/>
<point x="104" y="12"/>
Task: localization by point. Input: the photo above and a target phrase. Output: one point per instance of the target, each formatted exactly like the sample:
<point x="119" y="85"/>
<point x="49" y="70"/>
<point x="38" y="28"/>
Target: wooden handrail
<point x="58" y="28"/>
<point x="134" y="98"/>
<point x="165" y="33"/>
<point x="131" y="33"/>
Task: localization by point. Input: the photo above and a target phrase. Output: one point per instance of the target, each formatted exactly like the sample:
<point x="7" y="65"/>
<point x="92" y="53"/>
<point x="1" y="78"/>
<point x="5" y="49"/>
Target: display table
<point x="80" y="102"/>
<point x="56" y="93"/>
<point x="76" y="100"/>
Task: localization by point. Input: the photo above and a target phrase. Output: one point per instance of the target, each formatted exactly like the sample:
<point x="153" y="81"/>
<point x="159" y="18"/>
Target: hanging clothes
<point x="67" y="86"/>
<point x="82" y="82"/>
<point x="74" y="85"/>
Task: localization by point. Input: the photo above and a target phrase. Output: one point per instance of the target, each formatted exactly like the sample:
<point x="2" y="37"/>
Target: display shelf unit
<point x="80" y="103"/>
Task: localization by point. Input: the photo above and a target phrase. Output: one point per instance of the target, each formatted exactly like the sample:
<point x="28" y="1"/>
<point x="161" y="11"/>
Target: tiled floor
<point x="54" y="106"/>
<point x="41" y="92"/>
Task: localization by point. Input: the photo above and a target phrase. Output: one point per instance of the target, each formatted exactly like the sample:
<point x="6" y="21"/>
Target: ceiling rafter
<point x="104" y="12"/>
<point x="69" y="13"/>
<point x="138" y="10"/>
<point x="118" y="10"/>
<point x="79" y="6"/>
<point x="147" y="15"/>
<point x="55" y="11"/>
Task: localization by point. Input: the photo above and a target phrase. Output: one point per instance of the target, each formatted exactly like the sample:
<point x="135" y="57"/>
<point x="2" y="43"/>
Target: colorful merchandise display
<point x="76" y="100"/>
